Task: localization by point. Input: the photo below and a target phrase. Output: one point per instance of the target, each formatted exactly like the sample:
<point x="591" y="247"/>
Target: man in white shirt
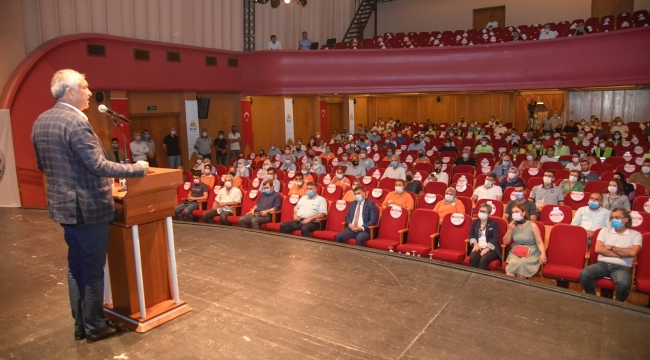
<point x="394" y="171"/>
<point x="488" y="190"/>
<point x="437" y="175"/>
<point x="592" y="217"/>
<point x="234" y="140"/>
<point x="617" y="245"/>
<point x="547" y="33"/>
<point x="274" y="44"/>
<point x="500" y="129"/>
<point x="139" y="149"/>
<point x="227" y="197"/>
<point x="308" y="212"/>
<point x="492" y="24"/>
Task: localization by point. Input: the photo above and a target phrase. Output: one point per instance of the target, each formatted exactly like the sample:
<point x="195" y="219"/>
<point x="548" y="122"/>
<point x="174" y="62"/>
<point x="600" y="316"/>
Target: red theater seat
<point x="555" y="214"/>
<point x="420" y="237"/>
<point x="249" y="200"/>
<point x="392" y="226"/>
<point x="285" y="214"/>
<point x="451" y="245"/>
<point x="335" y="221"/>
<point x="565" y="253"/>
<point x="642" y="268"/>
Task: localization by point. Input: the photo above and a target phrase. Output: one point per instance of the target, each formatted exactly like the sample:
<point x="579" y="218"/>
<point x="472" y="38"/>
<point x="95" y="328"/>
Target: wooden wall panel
<point x="158" y="127"/>
<point x="361" y="112"/>
<point x="166" y="103"/>
<point x="268" y="121"/>
<point x="631" y="105"/>
<point x="335" y="117"/>
<point x="305" y="113"/>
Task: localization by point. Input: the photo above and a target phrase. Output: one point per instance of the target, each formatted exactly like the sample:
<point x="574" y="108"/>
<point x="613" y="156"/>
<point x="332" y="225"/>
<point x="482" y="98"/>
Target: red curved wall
<point x="615" y="58"/>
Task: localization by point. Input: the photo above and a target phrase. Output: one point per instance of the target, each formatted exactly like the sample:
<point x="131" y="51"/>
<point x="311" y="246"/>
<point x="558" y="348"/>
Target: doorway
<point x="482" y="16"/>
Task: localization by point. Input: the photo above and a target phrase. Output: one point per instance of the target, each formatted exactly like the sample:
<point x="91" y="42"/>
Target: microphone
<point x="103" y="109"/>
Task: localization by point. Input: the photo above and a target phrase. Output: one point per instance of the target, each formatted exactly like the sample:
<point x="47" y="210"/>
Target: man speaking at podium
<point x="79" y="196"/>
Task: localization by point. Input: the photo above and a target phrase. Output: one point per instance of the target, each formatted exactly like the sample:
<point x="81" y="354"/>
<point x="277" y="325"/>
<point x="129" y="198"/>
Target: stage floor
<point x="265" y="296"/>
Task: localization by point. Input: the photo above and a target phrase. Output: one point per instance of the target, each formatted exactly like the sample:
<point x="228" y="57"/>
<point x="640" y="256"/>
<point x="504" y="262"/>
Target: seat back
<point x="596" y="186"/>
<point x="462" y="176"/>
<point x="377" y="195"/>
<point x="643" y="259"/>
<point x="640" y="221"/>
<point x="368" y="182"/>
<point x="332" y="192"/>
<point x="287" y="209"/>
<point x="466" y="191"/>
<point x="567" y="245"/>
<point x="182" y="191"/>
<point x="641" y="204"/>
<point x="556" y="214"/>
<point x="497" y="207"/>
<point x="336" y="215"/>
<point x="387" y="184"/>
<point x="249" y="199"/>
<point x="427" y="221"/>
<point x="435" y="187"/>
<point x="393" y="219"/>
<point x="428" y="200"/>
<point x="467" y="203"/>
<point x="593" y="256"/>
<point x="454" y="231"/>
<point x="576" y="199"/>
<point x="464" y="169"/>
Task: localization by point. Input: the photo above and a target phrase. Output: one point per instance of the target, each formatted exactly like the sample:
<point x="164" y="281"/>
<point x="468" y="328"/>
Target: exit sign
<point x="152" y="107"/>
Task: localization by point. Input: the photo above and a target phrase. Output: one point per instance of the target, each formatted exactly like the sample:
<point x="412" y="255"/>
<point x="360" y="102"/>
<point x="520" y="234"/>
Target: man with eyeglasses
<point x="592" y="217"/>
<point x="616" y="245"/>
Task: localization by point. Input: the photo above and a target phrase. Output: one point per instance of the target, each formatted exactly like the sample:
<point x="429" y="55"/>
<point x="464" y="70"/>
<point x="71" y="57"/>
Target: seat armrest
<point x="372" y="229"/>
<point x="236" y="209"/>
<point x="275" y="215"/>
<point x="434" y="237"/>
<point x="344" y="225"/>
<point x="401" y="235"/>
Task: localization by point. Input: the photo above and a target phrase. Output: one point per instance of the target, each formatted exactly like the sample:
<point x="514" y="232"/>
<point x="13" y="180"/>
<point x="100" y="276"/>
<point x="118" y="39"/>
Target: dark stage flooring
<point x="258" y="296"/>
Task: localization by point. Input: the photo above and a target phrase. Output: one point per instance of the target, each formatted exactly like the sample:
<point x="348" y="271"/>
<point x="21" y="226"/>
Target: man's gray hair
<point x="64" y="79"/>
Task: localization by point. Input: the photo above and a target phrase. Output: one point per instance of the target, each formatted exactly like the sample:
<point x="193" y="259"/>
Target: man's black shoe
<point x="110" y="331"/>
<point x="79" y="335"/>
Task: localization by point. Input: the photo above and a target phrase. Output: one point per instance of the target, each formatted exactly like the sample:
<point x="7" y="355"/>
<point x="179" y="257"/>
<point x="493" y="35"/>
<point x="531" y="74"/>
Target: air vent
<point x="173" y="56"/>
<point x="210" y="61"/>
<point x="95" y="50"/>
<point x="140" y="55"/>
<point x="233" y="62"/>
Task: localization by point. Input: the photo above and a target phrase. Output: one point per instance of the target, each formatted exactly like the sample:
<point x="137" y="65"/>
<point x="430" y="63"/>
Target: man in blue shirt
<point x="304" y="43"/>
<point x="273" y="150"/>
<point x="400" y="138"/>
<point x="416" y="144"/>
<point x="261" y="213"/>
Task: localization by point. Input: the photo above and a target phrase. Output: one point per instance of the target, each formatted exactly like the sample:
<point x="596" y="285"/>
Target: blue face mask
<point x="389" y="154"/>
<point x="327" y="151"/>
<point x="114" y="146"/>
<point x="393" y="164"/>
<point x="506" y="163"/>
<point x="310" y="193"/>
<point x="267" y="191"/>
<point x="593" y="205"/>
<point x="519" y="196"/>
<point x="617" y="224"/>
<point x="582" y="156"/>
<point x="146" y="136"/>
<point x="139" y="138"/>
<point x="358" y="198"/>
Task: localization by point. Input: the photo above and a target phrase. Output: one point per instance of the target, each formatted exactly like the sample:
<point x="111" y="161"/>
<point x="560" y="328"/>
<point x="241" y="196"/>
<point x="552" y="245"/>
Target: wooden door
<point x="600" y="8"/>
<point x="482" y="16"/>
<point x="335" y="117"/>
<point x="158" y="127"/>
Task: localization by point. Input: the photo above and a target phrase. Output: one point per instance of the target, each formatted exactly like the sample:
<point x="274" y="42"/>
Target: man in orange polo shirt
<point x="299" y="187"/>
<point x="399" y="197"/>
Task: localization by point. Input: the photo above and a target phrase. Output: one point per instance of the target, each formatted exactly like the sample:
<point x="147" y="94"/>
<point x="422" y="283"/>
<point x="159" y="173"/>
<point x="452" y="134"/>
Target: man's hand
<point x="144" y="164"/>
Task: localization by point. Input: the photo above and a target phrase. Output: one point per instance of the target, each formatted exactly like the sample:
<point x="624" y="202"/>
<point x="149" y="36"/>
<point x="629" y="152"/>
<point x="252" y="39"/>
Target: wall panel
<point x="268" y="121"/>
<point x="631" y="105"/>
<point x="306" y="115"/>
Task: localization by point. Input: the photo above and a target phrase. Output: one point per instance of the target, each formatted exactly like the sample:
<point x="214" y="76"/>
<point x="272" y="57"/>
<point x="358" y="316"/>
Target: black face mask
<point x="232" y="173"/>
<point x="416" y="142"/>
<point x="311" y="155"/>
<point x="438" y="170"/>
<point x="357" y="151"/>
<point x="409" y="177"/>
<point x="421" y="156"/>
<point x="355" y="163"/>
<point x="261" y="154"/>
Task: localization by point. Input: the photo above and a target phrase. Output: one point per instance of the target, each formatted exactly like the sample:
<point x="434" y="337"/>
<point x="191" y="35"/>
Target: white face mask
<point x="548" y="180"/>
<point x="517" y="216"/>
<point x="557" y="142"/>
<point x="488" y="183"/>
<point x="172" y="132"/>
<point x="645" y="169"/>
<point x="199" y="161"/>
<point x="197" y="181"/>
<point x="573" y="178"/>
<point x="449" y="198"/>
<point x="602" y="145"/>
<point x="483" y="143"/>
<point x="512" y="176"/>
<point x="206" y="172"/>
<point x="482" y="215"/>
<point x="612" y="189"/>
<point x="576" y="159"/>
<point x="339" y="176"/>
<point x="228" y="184"/>
<point x="399" y="189"/>
<point x="529" y="157"/>
<point x="270" y="176"/>
<point x="287" y="152"/>
<point x="299" y="183"/>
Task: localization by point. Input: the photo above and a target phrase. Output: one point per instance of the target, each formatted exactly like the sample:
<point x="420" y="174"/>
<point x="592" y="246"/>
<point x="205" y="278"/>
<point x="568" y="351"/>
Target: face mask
<point x="448" y="144"/>
<point x="488" y="183"/>
<point x="617" y="224"/>
<point x="645" y="169"/>
<point x="270" y="176"/>
<point x="576" y="159"/>
<point x="529" y="157"/>
<point x="615" y="136"/>
<point x="232" y="173"/>
<point x="240" y="165"/>
<point x="139" y="138"/>
<point x="511" y="176"/>
<point x="389" y="154"/>
<point x="465" y="155"/>
<point x="409" y="177"/>
<point x="547" y="30"/>
<point x="310" y="193"/>
<point x="506" y="163"/>
<point x="517" y="217"/>
<point x="299" y="183"/>
<point x="449" y="198"/>
<point x="114" y="146"/>
<point x="146" y="136"/>
<point x="363" y="156"/>
<point x="358" y="198"/>
<point x="612" y="189"/>
<point x="197" y="181"/>
<point x="199" y="161"/>
<point x="482" y="215"/>
<point x="482" y="133"/>
<point x="287" y="152"/>
<point x="205" y="134"/>
<point x="483" y="143"/>
<point x="272" y="147"/>
<point x="228" y="184"/>
<point x="548" y="180"/>
<point x="327" y="151"/>
<point x="172" y="132"/>
<point x="339" y="176"/>
<point x="593" y="205"/>
<point x="573" y="178"/>
<point x="399" y="189"/>
<point x="355" y="163"/>
<point x="581" y="135"/>
<point x="519" y="195"/>
<point x="602" y="145"/>
<point x="546" y="137"/>
<point x="207" y="172"/>
<point x="557" y="143"/>
<point x="345" y="158"/>
<point x="393" y="164"/>
<point x="267" y="191"/>
<point x="538" y="146"/>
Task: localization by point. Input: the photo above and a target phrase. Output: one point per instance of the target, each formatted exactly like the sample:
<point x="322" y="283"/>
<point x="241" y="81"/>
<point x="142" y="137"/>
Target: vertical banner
<point x="191" y="125"/>
<point x="8" y="178"/>
<point x="351" y="118"/>
<point x="288" y="120"/>
<point x="324" y="121"/>
<point x="121" y="106"/>
<point x="246" y="127"/>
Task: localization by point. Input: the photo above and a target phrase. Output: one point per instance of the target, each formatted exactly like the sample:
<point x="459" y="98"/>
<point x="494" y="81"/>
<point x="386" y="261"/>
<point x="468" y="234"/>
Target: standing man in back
<point x="304" y="43"/>
<point x="234" y="140"/>
<point x="172" y="147"/>
<point x="79" y="197"/>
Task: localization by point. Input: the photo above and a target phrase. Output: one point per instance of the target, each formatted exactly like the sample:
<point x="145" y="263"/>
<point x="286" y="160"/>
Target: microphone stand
<point x="116" y="122"/>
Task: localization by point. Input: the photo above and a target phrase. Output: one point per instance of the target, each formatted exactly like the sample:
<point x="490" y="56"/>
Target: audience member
<point x="449" y="204"/>
<point x="574" y="164"/>
<point x="516" y="36"/>
<point x="592" y="217"/>
<point x="501" y="170"/>
<point x="488" y="190"/>
<point x="317" y="167"/>
<point x="221" y="147"/>
<point x="527" y="252"/>
<point x="492" y="23"/>
<point x="241" y="169"/>
<point x="465" y="159"/>
<point x="345" y="160"/>
<point x="207" y="177"/>
<point x="273" y="151"/>
<point x="519" y="193"/>
<point x="581" y="29"/>
<point x="616" y="247"/>
<point x="389" y="143"/>
<point x="307" y="214"/>
<point x="628" y="189"/>
<point x="349" y="194"/>
<point x="287" y="163"/>
<point x="394" y="171"/>
<point x="547" y="193"/>
<point x="449" y="146"/>
<point x="572" y="183"/>
<point x="549" y="156"/>
<point x="139" y="149"/>
<point x="586" y="174"/>
<point x="413" y="186"/>
<point x="399" y="197"/>
<point x="299" y="188"/>
<point x="422" y="158"/>
<point x="416" y="144"/>
<point x="642" y="177"/>
<point x="227" y="197"/>
<point x="615" y="197"/>
<point x="199" y="164"/>
<point x="484" y="238"/>
<point x="198" y="193"/>
<point x="619" y="126"/>
<point x="355" y="169"/>
<point x="362" y="214"/>
<point x="603" y="151"/>
<point x="203" y="144"/>
<point x="546" y="33"/>
<point x="617" y="139"/>
<point x="556" y="122"/>
<point x="365" y="161"/>
<point x="236" y="179"/>
<point x="274" y="44"/>
<point x="115" y="154"/>
<point x="151" y="145"/>
<point x="560" y="149"/>
<point x="304" y="43"/>
<point x="261" y="156"/>
<point x="271" y="176"/>
<point x="530" y="162"/>
<point x="327" y="155"/>
<point x="172" y="147"/>
<point x="511" y="180"/>
<point x="484" y="147"/>
<point x="306" y="174"/>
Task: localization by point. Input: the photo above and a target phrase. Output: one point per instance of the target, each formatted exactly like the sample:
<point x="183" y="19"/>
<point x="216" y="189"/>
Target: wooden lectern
<point x="143" y="291"/>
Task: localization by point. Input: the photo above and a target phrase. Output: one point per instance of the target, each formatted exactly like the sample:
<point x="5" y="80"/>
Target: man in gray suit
<point x="79" y="196"/>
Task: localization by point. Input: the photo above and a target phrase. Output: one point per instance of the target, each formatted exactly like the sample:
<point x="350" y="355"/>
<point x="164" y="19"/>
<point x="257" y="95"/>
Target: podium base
<point x="156" y="315"/>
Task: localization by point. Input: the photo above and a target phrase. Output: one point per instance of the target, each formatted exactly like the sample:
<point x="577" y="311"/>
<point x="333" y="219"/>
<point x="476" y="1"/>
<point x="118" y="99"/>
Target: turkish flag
<point x="247" y="127"/>
<point x="324" y="121"/>
<point x="121" y="106"/>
